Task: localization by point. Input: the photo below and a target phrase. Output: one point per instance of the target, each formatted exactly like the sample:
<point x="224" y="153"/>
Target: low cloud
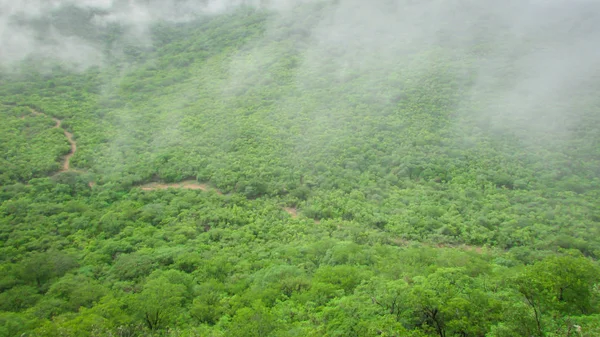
<point x="63" y="30"/>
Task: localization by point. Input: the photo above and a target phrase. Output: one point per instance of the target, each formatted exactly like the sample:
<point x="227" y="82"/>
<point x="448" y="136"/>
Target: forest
<point x="248" y="174"/>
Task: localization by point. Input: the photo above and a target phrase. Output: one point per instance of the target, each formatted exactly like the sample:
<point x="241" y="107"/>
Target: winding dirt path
<point x="58" y="125"/>
<point x="195" y="185"/>
<point x="186" y="184"/>
<point x="67" y="159"/>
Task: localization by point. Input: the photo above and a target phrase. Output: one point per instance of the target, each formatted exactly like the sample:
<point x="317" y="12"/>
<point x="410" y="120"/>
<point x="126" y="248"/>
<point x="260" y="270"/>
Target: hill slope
<point x="352" y="175"/>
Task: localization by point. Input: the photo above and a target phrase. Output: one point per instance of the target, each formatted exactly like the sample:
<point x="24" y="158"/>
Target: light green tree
<point x="159" y="302"/>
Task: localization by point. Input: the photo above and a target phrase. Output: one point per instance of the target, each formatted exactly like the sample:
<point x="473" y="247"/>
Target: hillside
<point x="306" y="171"/>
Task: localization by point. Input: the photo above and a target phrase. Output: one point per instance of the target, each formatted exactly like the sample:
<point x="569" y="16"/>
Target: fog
<point x="527" y="67"/>
<point x="537" y="57"/>
<point x="67" y="30"/>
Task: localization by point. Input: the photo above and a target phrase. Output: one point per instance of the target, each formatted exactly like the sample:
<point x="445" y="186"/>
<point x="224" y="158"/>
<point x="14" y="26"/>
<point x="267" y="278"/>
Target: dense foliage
<point x="418" y="215"/>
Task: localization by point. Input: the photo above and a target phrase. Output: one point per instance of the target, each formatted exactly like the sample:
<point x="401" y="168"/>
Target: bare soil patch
<point x="186" y="185"/>
<point x="291" y="211"/>
<point x="67" y="159"/>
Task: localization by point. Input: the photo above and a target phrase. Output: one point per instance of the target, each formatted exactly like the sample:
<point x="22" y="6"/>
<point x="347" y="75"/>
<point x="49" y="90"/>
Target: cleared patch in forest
<point x="186" y="185"/>
<point x="291" y="211"/>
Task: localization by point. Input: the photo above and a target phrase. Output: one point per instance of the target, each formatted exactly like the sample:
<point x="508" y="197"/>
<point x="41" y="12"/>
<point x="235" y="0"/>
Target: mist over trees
<point x="299" y="168"/>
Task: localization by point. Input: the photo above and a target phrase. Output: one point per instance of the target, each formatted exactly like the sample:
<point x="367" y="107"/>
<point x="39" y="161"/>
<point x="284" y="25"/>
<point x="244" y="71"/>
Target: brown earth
<point x="67" y="158"/>
<point x="186" y="184"/>
<point x="291" y="211"/>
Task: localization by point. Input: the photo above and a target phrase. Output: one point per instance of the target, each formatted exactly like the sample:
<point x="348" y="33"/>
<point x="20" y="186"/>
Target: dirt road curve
<point x="187" y="184"/>
<point x="67" y="159"/>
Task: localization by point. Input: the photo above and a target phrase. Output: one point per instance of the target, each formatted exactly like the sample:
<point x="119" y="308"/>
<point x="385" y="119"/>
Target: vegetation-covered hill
<point x="405" y="190"/>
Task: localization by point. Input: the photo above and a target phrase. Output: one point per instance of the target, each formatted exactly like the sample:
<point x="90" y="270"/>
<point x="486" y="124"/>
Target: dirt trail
<point x="291" y="211"/>
<point x="67" y="159"/>
<point x="58" y="125"/>
<point x="194" y="185"/>
<point x="186" y="184"/>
